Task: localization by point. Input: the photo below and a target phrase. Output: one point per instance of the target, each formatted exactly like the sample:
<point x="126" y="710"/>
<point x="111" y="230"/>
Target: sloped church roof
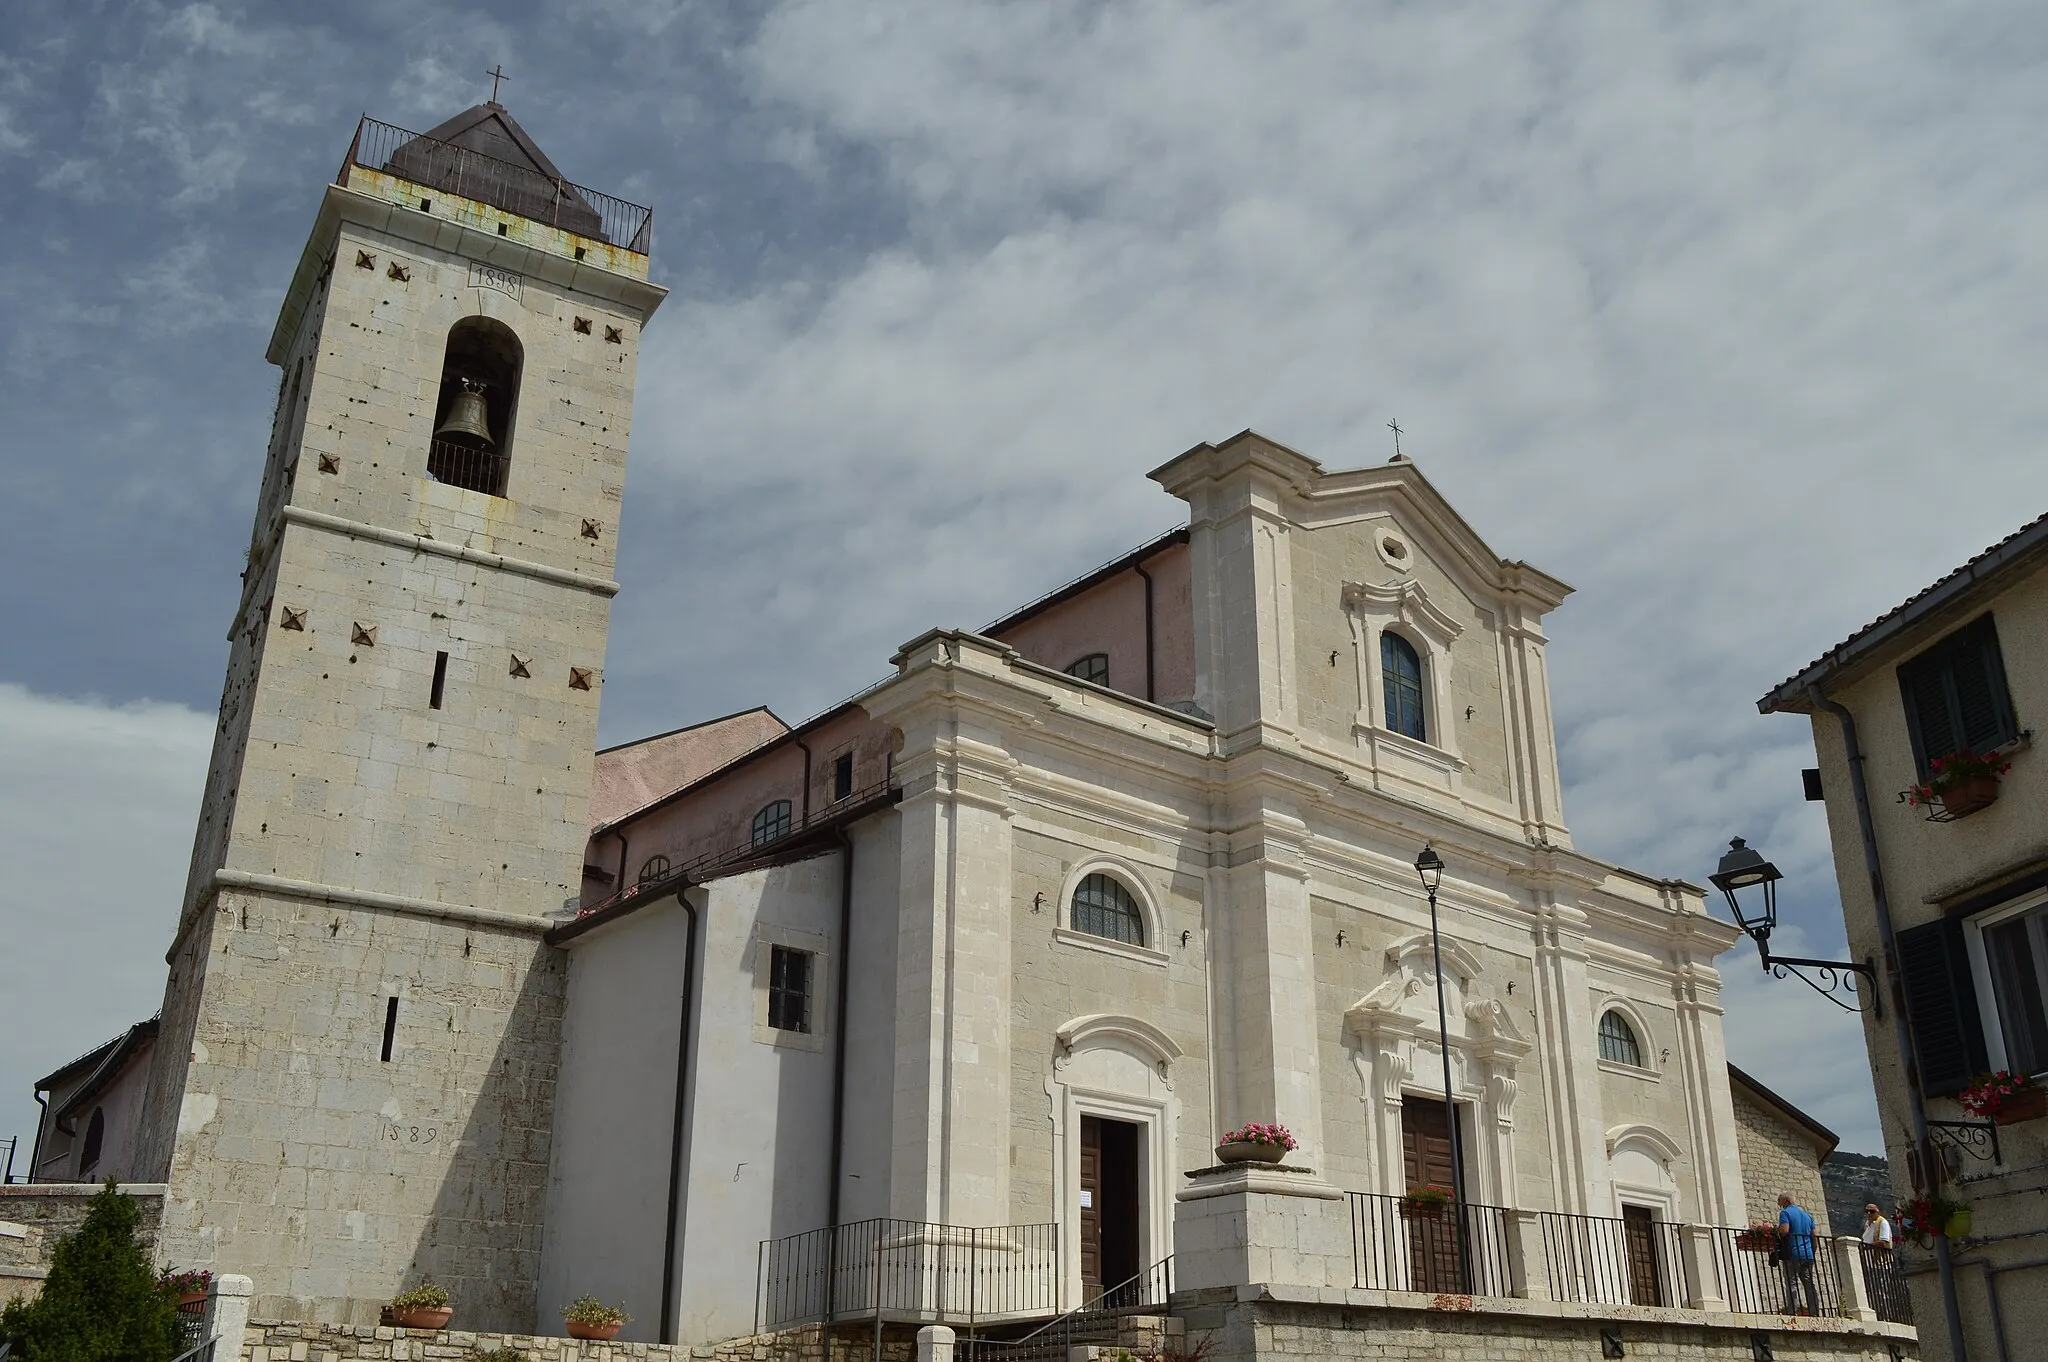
<point x="505" y="168"/>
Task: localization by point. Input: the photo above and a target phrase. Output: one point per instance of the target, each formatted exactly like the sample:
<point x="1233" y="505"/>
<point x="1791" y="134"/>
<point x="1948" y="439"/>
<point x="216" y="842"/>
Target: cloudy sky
<point x="1730" y="315"/>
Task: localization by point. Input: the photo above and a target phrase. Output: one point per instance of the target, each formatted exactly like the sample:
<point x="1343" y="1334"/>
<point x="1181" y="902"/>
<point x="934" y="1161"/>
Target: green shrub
<point x="101" y="1301"/>
<point x="428" y="1295"/>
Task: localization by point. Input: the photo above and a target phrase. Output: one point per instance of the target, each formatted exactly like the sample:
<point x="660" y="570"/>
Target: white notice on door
<point x="1087" y="1199"/>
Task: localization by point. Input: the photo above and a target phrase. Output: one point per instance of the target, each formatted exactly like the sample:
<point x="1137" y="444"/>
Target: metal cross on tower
<point x="496" y="73"/>
<point x="1395" y="426"/>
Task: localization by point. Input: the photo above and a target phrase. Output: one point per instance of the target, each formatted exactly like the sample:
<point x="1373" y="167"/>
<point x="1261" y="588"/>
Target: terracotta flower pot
<point x="2028" y="1104"/>
<point x="1423" y="1210"/>
<point x="192" y="1302"/>
<point x="1965" y="797"/>
<point x="601" y="1332"/>
<point x="1250" y="1151"/>
<point x="435" y="1317"/>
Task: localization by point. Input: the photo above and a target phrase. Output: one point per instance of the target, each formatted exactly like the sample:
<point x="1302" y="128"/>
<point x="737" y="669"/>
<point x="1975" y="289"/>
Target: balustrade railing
<point x="480" y="470"/>
<point x="517" y="189"/>
<point x="1610" y="1260"/>
<point x="1885" y="1284"/>
<point x="909" y="1270"/>
<point x="1760" y="1278"/>
<point x="1399" y="1247"/>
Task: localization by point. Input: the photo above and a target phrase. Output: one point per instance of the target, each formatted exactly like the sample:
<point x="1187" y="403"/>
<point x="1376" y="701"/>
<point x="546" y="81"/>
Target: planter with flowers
<point x="1959" y="784"/>
<point x="589" y="1317"/>
<point x="1256" y="1143"/>
<point x="1425" y="1203"/>
<point x="1758" y="1238"/>
<point x="188" y="1289"/>
<point x="426" y="1306"/>
<point x="2006" y="1098"/>
<point x="1928" y="1218"/>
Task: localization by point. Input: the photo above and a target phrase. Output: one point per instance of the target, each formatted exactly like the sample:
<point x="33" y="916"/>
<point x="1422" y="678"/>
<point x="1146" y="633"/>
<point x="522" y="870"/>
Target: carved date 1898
<point x="411" y="1134"/>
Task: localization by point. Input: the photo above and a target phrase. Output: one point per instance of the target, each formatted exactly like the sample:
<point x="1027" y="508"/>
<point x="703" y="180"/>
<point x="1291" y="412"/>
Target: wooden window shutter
<point x="1955" y="696"/>
<point x="1941" y="1000"/>
<point x="1981" y="705"/>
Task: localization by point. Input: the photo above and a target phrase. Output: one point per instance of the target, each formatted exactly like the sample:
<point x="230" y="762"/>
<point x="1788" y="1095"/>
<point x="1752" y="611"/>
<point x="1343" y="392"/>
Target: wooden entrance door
<point x="1426" y="1162"/>
<point x="1109" y="1205"/>
<point x="1640" y="1241"/>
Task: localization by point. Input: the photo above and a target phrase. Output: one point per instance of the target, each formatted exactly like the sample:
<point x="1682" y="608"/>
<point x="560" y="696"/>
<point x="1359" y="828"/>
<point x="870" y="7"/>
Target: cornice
<point x="418" y="543"/>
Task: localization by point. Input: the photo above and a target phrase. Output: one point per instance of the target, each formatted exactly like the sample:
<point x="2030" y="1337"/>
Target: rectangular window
<point x="1955" y="696"/>
<point x="2015" y="957"/>
<point x="789" y="990"/>
<point x="440" y="679"/>
<point x="842" y="776"/>
<point x="390" y="1026"/>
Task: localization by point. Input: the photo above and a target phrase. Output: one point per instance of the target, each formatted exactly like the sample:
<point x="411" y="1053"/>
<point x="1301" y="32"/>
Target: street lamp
<point x="1429" y="867"/>
<point x="1743" y="868"/>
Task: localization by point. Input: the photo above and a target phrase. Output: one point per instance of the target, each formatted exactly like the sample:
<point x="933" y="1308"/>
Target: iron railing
<point x="519" y="189"/>
<point x="1397" y="1247"/>
<point x="10" y="1144"/>
<point x="198" y="1352"/>
<point x="908" y="1270"/>
<point x="1755" y="1285"/>
<point x="480" y="470"/>
<point x="1885" y="1284"/>
<point x="1098" y="1320"/>
<point x="192" y="1336"/>
<point x="1608" y="1260"/>
<point x="730" y="859"/>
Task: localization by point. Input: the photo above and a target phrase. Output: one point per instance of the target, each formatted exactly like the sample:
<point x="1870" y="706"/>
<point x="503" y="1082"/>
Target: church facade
<point x="998" y="948"/>
<point x="1010" y="939"/>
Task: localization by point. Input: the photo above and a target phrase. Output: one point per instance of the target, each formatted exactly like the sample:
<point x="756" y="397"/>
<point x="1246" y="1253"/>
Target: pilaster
<point x="1571" y="1055"/>
<point x="1247" y="1224"/>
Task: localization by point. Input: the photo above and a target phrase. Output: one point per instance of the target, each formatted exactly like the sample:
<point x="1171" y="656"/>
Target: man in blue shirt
<point x="1796" y="1243"/>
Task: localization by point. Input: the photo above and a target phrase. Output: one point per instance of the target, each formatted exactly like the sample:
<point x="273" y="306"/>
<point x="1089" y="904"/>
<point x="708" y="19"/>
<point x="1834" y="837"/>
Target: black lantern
<point x="1430" y="867"/>
<point x="1744" y="868"/>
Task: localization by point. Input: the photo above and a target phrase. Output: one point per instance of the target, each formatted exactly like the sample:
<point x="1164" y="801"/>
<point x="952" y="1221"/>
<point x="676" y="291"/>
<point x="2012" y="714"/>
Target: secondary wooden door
<point x="1109" y="1205"/>
<point x="1641" y="1242"/>
<point x="1426" y="1162"/>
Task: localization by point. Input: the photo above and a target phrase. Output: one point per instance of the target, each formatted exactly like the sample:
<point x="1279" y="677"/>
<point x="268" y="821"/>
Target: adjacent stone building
<point x="1782" y="1150"/>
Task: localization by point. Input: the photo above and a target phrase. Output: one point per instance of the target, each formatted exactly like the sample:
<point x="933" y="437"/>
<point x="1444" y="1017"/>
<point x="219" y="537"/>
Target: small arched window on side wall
<point x="772" y="823"/>
<point x="1102" y="907"/>
<point x="478" y="406"/>
<point x="1618" y="1040"/>
<point x="656" y="868"/>
<point x="1093" y="668"/>
<point x="1401" y="676"/>
<point x="95" y="1139"/>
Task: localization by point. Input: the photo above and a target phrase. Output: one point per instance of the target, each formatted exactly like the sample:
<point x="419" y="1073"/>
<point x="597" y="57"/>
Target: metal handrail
<point x="1062" y="1327"/>
<point x="471" y="174"/>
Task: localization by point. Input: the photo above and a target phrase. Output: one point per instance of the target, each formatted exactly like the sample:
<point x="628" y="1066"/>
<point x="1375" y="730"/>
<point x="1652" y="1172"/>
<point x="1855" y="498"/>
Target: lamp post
<point x="1429" y="867"/>
<point x="1744" y="869"/>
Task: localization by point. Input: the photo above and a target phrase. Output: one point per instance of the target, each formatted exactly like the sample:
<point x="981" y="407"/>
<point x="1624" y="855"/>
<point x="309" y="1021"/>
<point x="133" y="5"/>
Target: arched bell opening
<point x="477" y="407"/>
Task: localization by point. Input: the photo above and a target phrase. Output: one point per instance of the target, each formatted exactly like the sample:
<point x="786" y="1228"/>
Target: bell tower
<point x="355" y="1080"/>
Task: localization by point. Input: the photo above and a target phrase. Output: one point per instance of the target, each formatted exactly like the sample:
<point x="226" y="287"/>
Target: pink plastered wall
<point x="633" y="776"/>
<point x="717" y="815"/>
<point x="1109" y="618"/>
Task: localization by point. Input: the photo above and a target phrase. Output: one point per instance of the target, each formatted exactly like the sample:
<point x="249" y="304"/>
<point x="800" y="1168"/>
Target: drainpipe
<point x="35" y="1155"/>
<point x="805" y="820"/>
<point x="1148" y="629"/>
<point x="1991" y="1294"/>
<point x="685" y="1036"/>
<point x="1902" y="1032"/>
<point x="620" y="886"/>
<point x="838" y="1151"/>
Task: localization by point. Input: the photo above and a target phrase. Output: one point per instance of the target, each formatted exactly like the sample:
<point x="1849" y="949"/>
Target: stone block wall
<point x="35" y="1215"/>
<point x="1776" y="1158"/>
<point x="273" y="1341"/>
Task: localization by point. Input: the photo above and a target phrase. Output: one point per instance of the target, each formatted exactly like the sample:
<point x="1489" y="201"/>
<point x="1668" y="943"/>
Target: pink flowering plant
<point x="1256" y="1133"/>
<point x="1989" y="1094"/>
<point x="1945" y="773"/>
<point x="177" y="1282"/>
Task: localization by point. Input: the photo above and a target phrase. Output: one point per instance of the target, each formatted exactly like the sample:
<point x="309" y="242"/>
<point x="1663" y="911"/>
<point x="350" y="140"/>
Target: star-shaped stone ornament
<point x="362" y="635"/>
<point x="579" y="678"/>
<point x="293" y="619"/>
<point x="519" y="665"/>
<point x="330" y="463"/>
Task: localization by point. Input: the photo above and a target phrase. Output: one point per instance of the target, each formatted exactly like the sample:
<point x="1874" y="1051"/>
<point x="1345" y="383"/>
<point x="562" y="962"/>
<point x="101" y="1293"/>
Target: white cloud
<point x="97" y="807"/>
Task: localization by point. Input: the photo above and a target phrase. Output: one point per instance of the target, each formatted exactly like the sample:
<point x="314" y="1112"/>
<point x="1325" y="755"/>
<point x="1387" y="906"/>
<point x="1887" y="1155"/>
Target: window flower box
<point x="1958" y="785"/>
<point x="1256" y="1143"/>
<point x="1757" y="1239"/>
<point x="1425" y="1203"/>
<point x="2005" y="1097"/>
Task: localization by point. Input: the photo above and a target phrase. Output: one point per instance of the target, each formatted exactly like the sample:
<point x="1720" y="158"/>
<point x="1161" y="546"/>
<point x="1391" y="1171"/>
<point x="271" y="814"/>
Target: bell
<point x="468" y="420"/>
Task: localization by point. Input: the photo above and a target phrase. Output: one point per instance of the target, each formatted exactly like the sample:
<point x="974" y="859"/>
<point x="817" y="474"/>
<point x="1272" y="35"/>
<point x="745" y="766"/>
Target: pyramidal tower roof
<point x="489" y="128"/>
<point x="482" y="153"/>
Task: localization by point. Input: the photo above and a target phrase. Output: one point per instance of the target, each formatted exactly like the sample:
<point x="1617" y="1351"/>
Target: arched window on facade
<point x="1618" y="1040"/>
<point x="772" y="823"/>
<point x="1401" y="673"/>
<point x="478" y="406"/>
<point x="656" y="868"/>
<point x="1093" y="668"/>
<point x="1102" y="907"/>
<point x="95" y="1138"/>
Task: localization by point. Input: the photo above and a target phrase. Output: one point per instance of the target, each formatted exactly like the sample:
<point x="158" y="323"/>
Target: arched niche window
<point x="772" y="823"/>
<point x="1093" y="668"/>
<point x="1103" y="907"/>
<point x="1618" y="1040"/>
<point x="656" y="868"/>
<point x="1401" y="673"/>
<point x="95" y="1137"/>
<point x="478" y="405"/>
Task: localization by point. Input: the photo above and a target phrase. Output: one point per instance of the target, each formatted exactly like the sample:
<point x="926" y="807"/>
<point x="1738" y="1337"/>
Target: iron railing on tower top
<point x="454" y="169"/>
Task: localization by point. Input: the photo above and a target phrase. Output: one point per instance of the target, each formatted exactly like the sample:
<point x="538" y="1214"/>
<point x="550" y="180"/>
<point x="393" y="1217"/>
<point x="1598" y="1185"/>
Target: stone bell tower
<point x="361" y="1026"/>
